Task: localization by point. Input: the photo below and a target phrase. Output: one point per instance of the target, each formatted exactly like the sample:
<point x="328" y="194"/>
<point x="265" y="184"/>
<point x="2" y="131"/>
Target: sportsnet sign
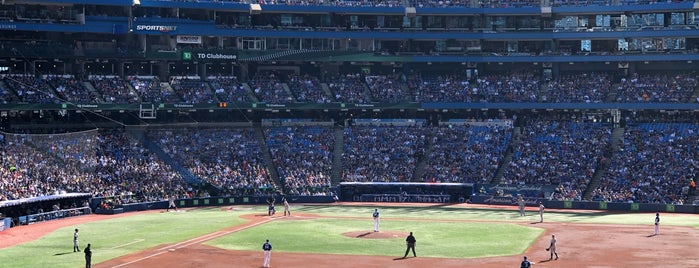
<point x="158" y="28"/>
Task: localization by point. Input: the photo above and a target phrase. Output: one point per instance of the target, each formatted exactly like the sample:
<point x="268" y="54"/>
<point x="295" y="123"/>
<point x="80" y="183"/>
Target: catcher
<point x="552" y="247"/>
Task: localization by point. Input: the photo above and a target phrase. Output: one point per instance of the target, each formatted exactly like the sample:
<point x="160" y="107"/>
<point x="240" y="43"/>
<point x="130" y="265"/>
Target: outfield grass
<point x="435" y="239"/>
<point x="506" y="215"/>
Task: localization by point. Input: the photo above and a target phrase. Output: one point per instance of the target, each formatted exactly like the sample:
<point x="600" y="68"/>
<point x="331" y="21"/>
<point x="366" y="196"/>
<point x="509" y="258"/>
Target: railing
<point x="52" y="215"/>
<point x="400" y="198"/>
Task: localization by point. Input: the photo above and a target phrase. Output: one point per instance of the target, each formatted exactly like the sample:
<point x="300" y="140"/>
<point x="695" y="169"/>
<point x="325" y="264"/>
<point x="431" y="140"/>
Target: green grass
<point x="109" y="238"/>
<point x="435" y="239"/>
<point x="510" y="215"/>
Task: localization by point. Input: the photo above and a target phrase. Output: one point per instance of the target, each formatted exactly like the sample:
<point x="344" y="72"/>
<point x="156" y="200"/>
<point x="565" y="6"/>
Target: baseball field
<point x="340" y="235"/>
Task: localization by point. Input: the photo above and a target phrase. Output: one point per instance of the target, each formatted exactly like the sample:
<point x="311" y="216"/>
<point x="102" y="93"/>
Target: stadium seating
<point x="382" y="153"/>
<point x="560" y="152"/>
<point x="654" y="163"/>
<point x="303" y="157"/>
<point x="465" y="153"/>
<point x="230" y="159"/>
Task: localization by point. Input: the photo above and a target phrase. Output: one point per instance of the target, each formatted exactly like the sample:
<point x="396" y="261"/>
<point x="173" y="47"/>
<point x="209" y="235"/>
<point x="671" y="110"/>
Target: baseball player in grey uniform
<point x="552" y="247"/>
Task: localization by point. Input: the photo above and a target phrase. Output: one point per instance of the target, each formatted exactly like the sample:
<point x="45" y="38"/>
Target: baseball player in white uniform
<point x="376" y="219"/>
<point x="287" y="208"/>
<point x="541" y="212"/>
<point x="520" y="203"/>
<point x="657" y="223"/>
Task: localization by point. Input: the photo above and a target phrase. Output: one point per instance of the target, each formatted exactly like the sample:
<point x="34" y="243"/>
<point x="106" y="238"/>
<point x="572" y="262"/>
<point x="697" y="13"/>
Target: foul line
<point x="130" y="243"/>
<point x="192" y="241"/>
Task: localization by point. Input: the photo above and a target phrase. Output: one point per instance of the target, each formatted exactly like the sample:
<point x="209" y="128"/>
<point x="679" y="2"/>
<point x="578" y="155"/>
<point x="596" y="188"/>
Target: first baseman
<point x="552" y="247"/>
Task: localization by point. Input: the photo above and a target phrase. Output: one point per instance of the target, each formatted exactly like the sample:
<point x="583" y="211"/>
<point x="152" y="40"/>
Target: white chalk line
<point x="137" y="260"/>
<point x="130" y="243"/>
<point x="193" y="241"/>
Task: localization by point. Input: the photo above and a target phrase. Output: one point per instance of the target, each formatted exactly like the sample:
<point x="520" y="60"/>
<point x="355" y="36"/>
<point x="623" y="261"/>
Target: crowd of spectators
<point x="522" y="86"/>
<point x="382" y="153"/>
<point x="268" y="88"/>
<point x="6" y="96"/>
<point x="307" y="88"/>
<point x="558" y="151"/>
<point x="654" y="164"/>
<point x="230" y="159"/>
<point x="73" y="90"/>
<point x="151" y="90"/>
<point x="102" y="163"/>
<point x="464" y="153"/>
<point x="31" y="89"/>
<point x="192" y="90"/>
<point x="387" y="88"/>
<point x="303" y="157"/>
<point x="229" y="89"/>
<point x="508" y="87"/>
<point x="445" y="88"/>
<point x="114" y="89"/>
<point x="349" y="88"/>
<point x="583" y="87"/>
<point x="656" y="88"/>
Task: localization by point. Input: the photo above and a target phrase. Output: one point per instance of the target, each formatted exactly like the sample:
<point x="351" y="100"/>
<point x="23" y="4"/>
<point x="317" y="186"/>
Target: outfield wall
<point x="209" y="201"/>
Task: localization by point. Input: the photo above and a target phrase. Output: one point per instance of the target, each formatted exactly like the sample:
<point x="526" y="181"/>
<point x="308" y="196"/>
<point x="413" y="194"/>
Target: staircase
<point x="419" y="174"/>
<point x="140" y="135"/>
<point x="338" y="151"/>
<point x="267" y="156"/>
<point x="250" y="93"/>
<point x="92" y="90"/>
<point x="327" y="91"/>
<point x="514" y="143"/>
<point x="611" y="96"/>
<point x="694" y="97"/>
<point x="603" y="166"/>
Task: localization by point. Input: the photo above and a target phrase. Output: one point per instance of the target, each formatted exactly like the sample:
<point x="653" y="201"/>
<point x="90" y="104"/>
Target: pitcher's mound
<point x="376" y="235"/>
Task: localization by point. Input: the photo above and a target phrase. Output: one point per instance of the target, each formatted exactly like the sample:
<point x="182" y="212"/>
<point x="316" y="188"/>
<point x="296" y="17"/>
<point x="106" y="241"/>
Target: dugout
<point x="405" y="192"/>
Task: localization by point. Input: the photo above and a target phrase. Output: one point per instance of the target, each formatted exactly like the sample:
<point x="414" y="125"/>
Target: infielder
<point x="541" y="212"/>
<point x="171" y="203"/>
<point x="525" y="263"/>
<point x="657" y="223"/>
<point x="520" y="203"/>
<point x="552" y="247"/>
<point x="286" y="207"/>
<point x="267" y="247"/>
<point x="75" y="241"/>
<point x="376" y="219"/>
